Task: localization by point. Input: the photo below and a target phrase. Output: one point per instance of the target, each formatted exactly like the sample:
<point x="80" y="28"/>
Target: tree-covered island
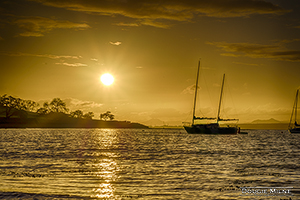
<point x="20" y="113"/>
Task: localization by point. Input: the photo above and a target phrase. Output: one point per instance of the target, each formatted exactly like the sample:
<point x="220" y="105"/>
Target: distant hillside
<point x="267" y="121"/>
<point x="160" y="123"/>
<point x="265" y="124"/>
<point x="154" y="122"/>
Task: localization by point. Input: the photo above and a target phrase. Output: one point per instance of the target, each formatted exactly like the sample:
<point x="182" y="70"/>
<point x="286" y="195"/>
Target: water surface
<point x="145" y="164"/>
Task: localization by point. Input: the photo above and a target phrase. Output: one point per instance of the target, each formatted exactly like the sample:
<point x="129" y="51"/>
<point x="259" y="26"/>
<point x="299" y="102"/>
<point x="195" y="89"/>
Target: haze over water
<point x="144" y="164"/>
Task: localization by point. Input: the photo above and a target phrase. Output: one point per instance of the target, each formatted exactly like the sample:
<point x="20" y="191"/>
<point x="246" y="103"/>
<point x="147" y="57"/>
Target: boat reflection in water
<point x="210" y="128"/>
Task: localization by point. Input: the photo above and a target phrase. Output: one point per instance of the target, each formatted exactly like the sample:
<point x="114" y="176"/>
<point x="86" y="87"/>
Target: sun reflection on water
<point x="104" y="190"/>
<point x="107" y="170"/>
<point x="105" y="166"/>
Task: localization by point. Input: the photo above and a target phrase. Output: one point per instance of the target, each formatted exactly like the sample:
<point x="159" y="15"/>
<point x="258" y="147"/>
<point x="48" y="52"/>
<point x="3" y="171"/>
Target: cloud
<point x="51" y="56"/>
<point x="72" y="64"/>
<point x="76" y="104"/>
<point x="165" y="114"/>
<point x="275" y="51"/>
<point x="127" y="24"/>
<point x="147" y="11"/>
<point x="249" y="64"/>
<point x="38" y="26"/>
<point x="264" y="112"/>
<point x="149" y="22"/>
<point x="145" y="22"/>
<point x="190" y="89"/>
<point x="87" y="106"/>
<point x="115" y="43"/>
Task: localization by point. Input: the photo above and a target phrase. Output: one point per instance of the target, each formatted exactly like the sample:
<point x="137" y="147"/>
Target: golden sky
<point x="60" y="48"/>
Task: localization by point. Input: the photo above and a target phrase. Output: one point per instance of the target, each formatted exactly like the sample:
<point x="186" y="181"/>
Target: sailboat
<point x="210" y="128"/>
<point x="294" y="127"/>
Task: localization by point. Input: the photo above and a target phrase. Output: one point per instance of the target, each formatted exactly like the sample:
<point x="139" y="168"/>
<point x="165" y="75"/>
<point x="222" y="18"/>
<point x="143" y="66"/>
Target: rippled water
<point x="145" y="164"/>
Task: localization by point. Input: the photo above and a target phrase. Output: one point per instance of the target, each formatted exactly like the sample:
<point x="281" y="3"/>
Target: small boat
<point x="294" y="127"/>
<point x="210" y="128"/>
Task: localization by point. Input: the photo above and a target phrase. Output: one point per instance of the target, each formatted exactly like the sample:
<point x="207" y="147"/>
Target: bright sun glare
<point x="107" y="79"/>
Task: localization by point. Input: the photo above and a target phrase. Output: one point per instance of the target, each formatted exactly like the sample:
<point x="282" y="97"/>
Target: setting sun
<point x="107" y="79"/>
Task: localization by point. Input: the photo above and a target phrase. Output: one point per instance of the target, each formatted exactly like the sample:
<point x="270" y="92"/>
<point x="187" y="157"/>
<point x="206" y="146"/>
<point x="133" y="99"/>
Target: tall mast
<point x="296" y="106"/>
<point x="294" y="111"/>
<point x="220" y="102"/>
<point x="196" y="89"/>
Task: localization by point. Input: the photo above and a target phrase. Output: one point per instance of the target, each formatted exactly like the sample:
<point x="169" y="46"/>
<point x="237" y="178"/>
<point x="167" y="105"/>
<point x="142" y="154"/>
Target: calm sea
<point x="147" y="164"/>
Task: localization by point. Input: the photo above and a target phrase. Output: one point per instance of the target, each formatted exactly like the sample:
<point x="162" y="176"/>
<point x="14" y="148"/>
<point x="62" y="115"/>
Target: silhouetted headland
<point x="19" y="113"/>
<point x="61" y="120"/>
